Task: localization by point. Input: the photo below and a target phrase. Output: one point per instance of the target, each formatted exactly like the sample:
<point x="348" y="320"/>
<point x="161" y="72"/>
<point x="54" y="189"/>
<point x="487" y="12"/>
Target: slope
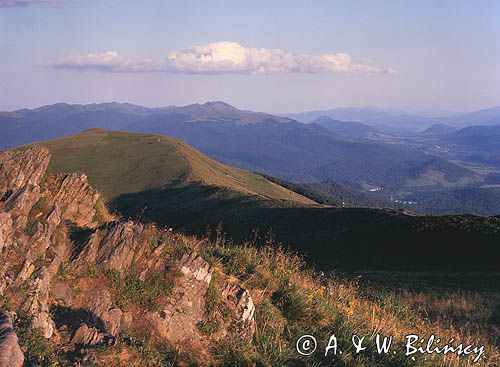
<point x="346" y="128"/>
<point x="257" y="141"/>
<point x="172" y="184"/>
<point x="121" y="163"/>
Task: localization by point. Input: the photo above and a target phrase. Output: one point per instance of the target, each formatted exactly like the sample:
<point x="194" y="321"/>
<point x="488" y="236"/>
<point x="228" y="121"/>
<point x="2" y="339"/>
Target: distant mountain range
<point x="327" y="152"/>
<point x="275" y="145"/>
<point x="400" y="121"/>
<point x="345" y="128"/>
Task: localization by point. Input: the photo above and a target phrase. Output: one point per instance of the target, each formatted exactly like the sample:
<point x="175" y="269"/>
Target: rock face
<point x="20" y="175"/>
<point x="44" y="271"/>
<point x="76" y="198"/>
<point x="179" y="322"/>
<point x="37" y="304"/>
<point x="114" y="247"/>
<point x="20" y="168"/>
<point x="179" y="319"/>
<point x="10" y="352"/>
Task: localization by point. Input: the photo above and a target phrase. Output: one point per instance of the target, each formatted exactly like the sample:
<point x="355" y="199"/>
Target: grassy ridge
<point x="163" y="180"/>
<point x="120" y="163"/>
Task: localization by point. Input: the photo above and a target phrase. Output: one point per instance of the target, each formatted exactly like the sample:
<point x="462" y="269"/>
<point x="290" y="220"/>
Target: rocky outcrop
<point x="178" y="321"/>
<point x="5" y="230"/>
<point x="75" y="198"/>
<point x="115" y="246"/>
<point x="21" y="173"/>
<point x="22" y="167"/>
<point x="89" y="336"/>
<point x="101" y="311"/>
<point x="238" y="300"/>
<point x="10" y="352"/>
<point x="36" y="248"/>
<point x="37" y="304"/>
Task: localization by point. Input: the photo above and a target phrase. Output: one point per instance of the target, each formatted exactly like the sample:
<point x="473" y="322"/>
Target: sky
<point x="273" y="56"/>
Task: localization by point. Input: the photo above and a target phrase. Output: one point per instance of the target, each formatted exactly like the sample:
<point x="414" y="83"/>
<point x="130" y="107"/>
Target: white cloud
<point x="106" y="61"/>
<point x="225" y="57"/>
<point x="12" y="3"/>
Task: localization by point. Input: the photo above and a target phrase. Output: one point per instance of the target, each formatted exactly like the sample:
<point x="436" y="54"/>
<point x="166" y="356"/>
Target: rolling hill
<point x="346" y="128"/>
<point x="438" y="129"/>
<point x="160" y="179"/>
<point x="478" y="137"/>
<point x="259" y="142"/>
<point x="485" y="117"/>
<point x="121" y="163"/>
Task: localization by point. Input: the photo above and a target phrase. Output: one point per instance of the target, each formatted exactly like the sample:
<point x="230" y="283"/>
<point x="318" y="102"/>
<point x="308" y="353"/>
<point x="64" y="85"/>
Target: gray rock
<point x="91" y="337"/>
<point x="116" y="246"/>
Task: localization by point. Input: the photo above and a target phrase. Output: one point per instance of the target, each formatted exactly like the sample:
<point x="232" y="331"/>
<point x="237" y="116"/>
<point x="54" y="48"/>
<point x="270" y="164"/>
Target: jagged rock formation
<point x="21" y="168"/>
<point x="115" y="246"/>
<point x="75" y="198"/>
<point x="80" y="285"/>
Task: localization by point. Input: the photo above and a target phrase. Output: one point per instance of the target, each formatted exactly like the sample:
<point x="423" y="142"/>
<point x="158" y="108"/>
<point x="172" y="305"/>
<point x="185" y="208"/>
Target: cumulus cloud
<point x="225" y="57"/>
<point x="12" y="3"/>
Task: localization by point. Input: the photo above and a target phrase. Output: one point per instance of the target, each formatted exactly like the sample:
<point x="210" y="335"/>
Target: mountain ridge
<point x="327" y="235"/>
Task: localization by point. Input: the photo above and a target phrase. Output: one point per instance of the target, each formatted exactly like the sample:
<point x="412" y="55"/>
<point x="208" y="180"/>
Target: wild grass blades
<point x="292" y="300"/>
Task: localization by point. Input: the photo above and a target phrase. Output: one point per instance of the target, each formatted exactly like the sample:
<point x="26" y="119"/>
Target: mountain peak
<point x="219" y="104"/>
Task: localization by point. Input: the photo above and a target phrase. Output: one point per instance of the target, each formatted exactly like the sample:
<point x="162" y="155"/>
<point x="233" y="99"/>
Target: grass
<point x="210" y="324"/>
<point x="147" y="293"/>
<point x="120" y="163"/>
<point x="464" y="301"/>
<point x="173" y="184"/>
<point x="38" y="351"/>
<point x="292" y="300"/>
<point x="141" y="353"/>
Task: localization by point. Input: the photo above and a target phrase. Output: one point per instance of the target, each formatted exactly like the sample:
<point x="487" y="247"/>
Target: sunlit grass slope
<point x="120" y="163"/>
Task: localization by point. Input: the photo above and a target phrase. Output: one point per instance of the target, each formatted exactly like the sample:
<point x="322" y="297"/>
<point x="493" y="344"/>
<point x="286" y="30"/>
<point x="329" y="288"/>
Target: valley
<point x="159" y="179"/>
<point x="405" y="166"/>
<point x="249" y="183"/>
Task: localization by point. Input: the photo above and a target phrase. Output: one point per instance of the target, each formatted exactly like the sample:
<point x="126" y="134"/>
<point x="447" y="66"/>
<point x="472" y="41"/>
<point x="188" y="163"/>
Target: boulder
<point x="91" y="337"/>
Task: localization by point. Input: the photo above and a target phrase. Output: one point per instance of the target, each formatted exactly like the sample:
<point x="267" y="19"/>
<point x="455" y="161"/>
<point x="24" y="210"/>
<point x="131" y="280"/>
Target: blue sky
<point x="274" y="56"/>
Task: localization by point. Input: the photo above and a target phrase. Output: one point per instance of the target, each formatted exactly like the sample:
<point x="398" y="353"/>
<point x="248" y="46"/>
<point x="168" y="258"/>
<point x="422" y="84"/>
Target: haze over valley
<point x="249" y="183"/>
<point x="449" y="167"/>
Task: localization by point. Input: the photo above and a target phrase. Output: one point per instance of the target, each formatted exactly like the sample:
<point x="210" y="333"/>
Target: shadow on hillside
<point x="350" y="239"/>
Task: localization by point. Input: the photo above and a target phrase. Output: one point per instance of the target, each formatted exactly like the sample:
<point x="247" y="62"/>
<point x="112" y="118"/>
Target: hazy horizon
<point x="275" y="57"/>
<point x="422" y="112"/>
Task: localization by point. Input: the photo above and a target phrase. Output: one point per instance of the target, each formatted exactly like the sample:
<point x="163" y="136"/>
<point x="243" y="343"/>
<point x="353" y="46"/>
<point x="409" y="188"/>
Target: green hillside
<point x="119" y="163"/>
<point x="160" y="179"/>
